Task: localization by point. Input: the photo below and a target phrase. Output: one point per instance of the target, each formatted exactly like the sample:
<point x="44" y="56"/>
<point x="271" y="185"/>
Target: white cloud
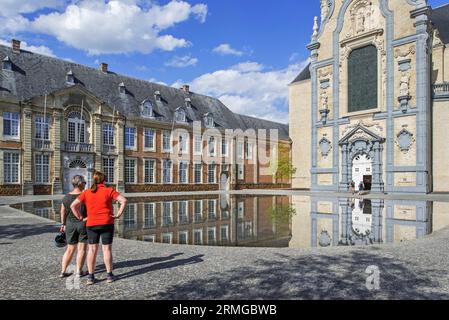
<point x="182" y="62"/>
<point x="225" y="49"/>
<point x="249" y="88"/>
<point x="36" y="49"/>
<point x="14" y="7"/>
<point x="111" y="26"/>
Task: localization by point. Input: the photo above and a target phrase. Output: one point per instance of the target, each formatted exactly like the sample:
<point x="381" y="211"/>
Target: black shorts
<point x="106" y="233"/>
<point x="76" y="232"/>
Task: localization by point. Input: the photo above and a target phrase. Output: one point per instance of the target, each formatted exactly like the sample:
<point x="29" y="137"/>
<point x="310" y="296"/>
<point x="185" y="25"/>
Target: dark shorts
<point x="76" y="232"/>
<point x="106" y="233"/>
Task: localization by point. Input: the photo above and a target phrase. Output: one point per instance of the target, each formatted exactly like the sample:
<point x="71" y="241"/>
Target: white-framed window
<point x="240" y="150"/>
<point x="167" y="171"/>
<point x="209" y="121"/>
<point x="42" y="168"/>
<point x="183" y="172"/>
<point x="147" y="109"/>
<point x="76" y="128"/>
<point x="11" y="124"/>
<point x="108" y="134"/>
<point x="130" y="138"/>
<point x="150" y="238"/>
<point x="198" y="211"/>
<point x="241" y="171"/>
<point x="130" y="170"/>
<point x="166" y="141"/>
<point x="149" y="136"/>
<point x="198" y="173"/>
<point x="108" y="169"/>
<point x="183" y="237"/>
<point x="183" y="143"/>
<point x="224" y="147"/>
<point x="212" y="173"/>
<point x="167" y="214"/>
<point x="211" y="209"/>
<point x="130" y="217"/>
<point x="249" y="150"/>
<point x="198" y="236"/>
<point x="241" y="210"/>
<point x="149" y="219"/>
<point x="180" y="115"/>
<point x="150" y="171"/>
<point x="224" y="214"/>
<point x="198" y="145"/>
<point x="183" y="212"/>
<point x="11" y="167"/>
<point x="212" y="147"/>
<point x="167" y="238"/>
<point x="224" y="233"/>
<point x="211" y="235"/>
<point x="42" y="128"/>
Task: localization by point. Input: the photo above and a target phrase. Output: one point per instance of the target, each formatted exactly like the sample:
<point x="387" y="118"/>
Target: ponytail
<point x="98" y="178"/>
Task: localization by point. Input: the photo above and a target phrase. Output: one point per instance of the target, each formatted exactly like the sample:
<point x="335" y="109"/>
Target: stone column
<point x="57" y="168"/>
<point x="376" y="232"/>
<point x="346" y="212"/>
<point x="27" y="143"/>
<point x="377" y="185"/>
<point x="120" y="163"/>
<point x="344" y="184"/>
<point x="97" y="141"/>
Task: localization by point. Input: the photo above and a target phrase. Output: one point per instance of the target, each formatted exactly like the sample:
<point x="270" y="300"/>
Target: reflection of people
<point x="75" y="229"/>
<point x="352" y="187"/>
<point x="100" y="222"/>
<point x="361" y="188"/>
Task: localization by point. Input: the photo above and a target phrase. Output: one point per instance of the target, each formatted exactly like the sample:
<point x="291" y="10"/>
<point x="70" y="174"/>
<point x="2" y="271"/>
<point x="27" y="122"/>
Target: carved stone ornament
<point x="405" y="140"/>
<point x="325" y="147"/>
<point x="325" y="239"/>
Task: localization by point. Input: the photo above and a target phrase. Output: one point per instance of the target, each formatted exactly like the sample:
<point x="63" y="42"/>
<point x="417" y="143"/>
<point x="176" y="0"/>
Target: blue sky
<point x="243" y="52"/>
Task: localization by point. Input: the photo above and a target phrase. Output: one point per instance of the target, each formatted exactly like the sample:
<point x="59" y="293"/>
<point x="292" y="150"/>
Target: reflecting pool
<point x="270" y="221"/>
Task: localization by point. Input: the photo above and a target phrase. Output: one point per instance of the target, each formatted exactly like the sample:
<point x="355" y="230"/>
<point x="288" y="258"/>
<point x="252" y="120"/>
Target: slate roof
<point x="440" y="19"/>
<point x="35" y="75"/>
<point x="303" y="75"/>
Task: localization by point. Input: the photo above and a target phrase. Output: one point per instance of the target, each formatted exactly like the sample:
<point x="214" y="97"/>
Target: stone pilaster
<point x="27" y="139"/>
<point x="120" y="163"/>
<point x="97" y="141"/>
<point x="344" y="184"/>
<point x="57" y="141"/>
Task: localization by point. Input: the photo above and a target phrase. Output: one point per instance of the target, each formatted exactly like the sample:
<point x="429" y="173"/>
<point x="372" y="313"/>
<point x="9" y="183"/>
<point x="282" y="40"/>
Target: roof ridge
<point x="261" y="119"/>
<point x="440" y="6"/>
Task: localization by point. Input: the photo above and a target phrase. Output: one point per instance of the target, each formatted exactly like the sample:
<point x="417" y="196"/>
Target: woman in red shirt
<point x="100" y="222"/>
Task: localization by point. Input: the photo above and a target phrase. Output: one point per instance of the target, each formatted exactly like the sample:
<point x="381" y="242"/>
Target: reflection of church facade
<point x="373" y="105"/>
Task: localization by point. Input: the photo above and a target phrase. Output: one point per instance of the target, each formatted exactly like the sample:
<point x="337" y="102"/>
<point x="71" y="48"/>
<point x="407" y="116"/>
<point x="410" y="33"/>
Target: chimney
<point x="104" y="67"/>
<point x="15" y="46"/>
<point x="186" y="88"/>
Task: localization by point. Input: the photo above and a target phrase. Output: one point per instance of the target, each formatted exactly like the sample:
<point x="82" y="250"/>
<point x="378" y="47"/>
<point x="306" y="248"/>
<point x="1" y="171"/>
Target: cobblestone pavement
<point x="29" y="268"/>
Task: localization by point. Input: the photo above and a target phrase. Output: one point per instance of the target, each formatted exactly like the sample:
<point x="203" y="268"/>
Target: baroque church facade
<point x="372" y="106"/>
<point x="59" y="119"/>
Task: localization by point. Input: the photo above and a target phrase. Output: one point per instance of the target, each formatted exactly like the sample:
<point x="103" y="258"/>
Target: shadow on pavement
<point x="20" y="231"/>
<point x="313" y="277"/>
<point x="137" y="263"/>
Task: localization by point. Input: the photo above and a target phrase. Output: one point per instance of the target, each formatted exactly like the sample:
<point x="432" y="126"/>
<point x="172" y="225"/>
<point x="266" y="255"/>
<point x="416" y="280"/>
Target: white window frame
<point x="108" y="134"/>
<point x="198" y="139"/>
<point x="195" y="212"/>
<point x="195" y="232"/>
<point x="186" y="203"/>
<point x="149" y="238"/>
<point x="241" y="171"/>
<point x="169" y="235"/>
<point x="132" y="212"/>
<point x="107" y="170"/>
<point x="127" y="181"/>
<point x="195" y="171"/>
<point x="210" y="146"/>
<point x="224" y="227"/>
<point x="149" y="208"/>
<point x="127" y="134"/>
<point x="8" y="116"/>
<point x="163" y="171"/>
<point x="214" y="229"/>
<point x="15" y="164"/>
<point x="209" y="180"/>
<point x="146" y="132"/>
<point x="240" y="150"/>
<point x="209" y="207"/>
<point x="80" y="128"/>
<point x="186" y="233"/>
<point x="224" y="146"/>
<point x="163" y="204"/>
<point x="145" y="109"/>
<point x="146" y="175"/>
<point x="39" y="167"/>
<point x="184" y="139"/>
<point x="186" y="172"/>
<point x="180" y="116"/>
<point x="42" y="128"/>
<point x="163" y="136"/>
<point x="249" y="150"/>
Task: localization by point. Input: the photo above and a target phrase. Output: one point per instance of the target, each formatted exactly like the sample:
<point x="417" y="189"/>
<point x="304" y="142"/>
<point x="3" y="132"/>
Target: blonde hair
<point x="98" y="178"/>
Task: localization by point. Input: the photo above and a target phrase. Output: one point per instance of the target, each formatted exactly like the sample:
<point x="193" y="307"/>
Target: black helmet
<point x="60" y="240"/>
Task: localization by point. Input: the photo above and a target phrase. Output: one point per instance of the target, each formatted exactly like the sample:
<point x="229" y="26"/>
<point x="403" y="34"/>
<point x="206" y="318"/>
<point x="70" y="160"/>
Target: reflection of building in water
<point x="336" y="222"/>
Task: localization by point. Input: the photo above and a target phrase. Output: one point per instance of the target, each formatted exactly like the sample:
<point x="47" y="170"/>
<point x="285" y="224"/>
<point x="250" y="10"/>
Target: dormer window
<point x="188" y="102"/>
<point x="209" y="120"/>
<point x="180" y="115"/>
<point x="122" y="88"/>
<point x="157" y="96"/>
<point x="7" y="64"/>
<point x="147" y="109"/>
<point x="70" y="77"/>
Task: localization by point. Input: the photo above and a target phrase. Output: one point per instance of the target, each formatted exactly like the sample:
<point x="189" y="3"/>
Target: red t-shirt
<point x="99" y="205"/>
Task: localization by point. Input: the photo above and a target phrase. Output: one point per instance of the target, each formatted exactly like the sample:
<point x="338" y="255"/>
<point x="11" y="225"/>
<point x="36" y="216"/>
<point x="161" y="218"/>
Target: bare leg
<point x="92" y="258"/>
<point x="67" y="257"/>
<point x="81" y="257"/>
<point x="107" y="256"/>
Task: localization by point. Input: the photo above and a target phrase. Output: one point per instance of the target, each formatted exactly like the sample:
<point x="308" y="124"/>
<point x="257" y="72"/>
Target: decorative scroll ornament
<point x="325" y="147"/>
<point x="405" y="140"/>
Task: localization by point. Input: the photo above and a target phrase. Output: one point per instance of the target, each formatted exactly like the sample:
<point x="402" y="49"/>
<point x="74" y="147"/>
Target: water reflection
<point x="271" y="221"/>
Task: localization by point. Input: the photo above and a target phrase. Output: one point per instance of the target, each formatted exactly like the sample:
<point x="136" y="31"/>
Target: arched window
<point x="209" y="120"/>
<point x="76" y="128"/>
<point x="147" y="109"/>
<point x="180" y="115"/>
<point x="362" y="79"/>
